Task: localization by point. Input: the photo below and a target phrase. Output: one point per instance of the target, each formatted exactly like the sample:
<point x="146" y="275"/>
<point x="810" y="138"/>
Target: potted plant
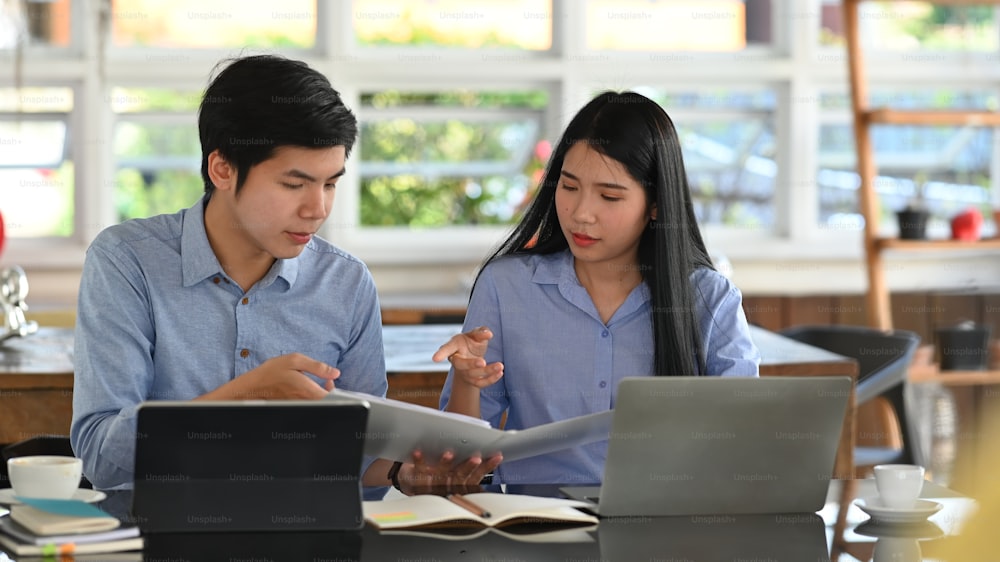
<point x="912" y="219"/>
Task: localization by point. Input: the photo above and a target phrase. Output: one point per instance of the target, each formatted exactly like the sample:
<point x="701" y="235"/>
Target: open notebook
<point x="498" y="510"/>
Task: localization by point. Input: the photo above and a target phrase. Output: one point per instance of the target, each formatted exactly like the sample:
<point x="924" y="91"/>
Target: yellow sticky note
<point x="397" y="516"/>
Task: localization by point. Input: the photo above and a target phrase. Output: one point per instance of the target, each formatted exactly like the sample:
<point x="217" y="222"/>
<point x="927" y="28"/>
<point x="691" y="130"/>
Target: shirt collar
<point x="287" y="269"/>
<point x="198" y="260"/>
<point x="557" y="269"/>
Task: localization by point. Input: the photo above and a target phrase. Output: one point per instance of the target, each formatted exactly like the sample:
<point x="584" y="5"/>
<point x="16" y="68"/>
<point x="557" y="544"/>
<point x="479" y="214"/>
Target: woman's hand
<point x="466" y="354"/>
<point x="445" y="477"/>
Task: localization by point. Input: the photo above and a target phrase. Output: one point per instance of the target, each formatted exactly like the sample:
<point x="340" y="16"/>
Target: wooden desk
<point x="413" y="377"/>
<point x="36" y="385"/>
<point x="931" y="373"/>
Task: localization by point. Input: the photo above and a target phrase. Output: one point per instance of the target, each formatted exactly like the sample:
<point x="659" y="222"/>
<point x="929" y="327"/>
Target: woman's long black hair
<point x="635" y="131"/>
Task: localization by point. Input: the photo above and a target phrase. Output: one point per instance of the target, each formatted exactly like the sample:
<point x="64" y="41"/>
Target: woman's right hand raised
<point x="466" y="352"/>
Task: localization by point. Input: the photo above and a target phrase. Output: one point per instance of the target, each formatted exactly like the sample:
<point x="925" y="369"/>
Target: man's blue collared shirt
<point x="158" y="319"/>
<point x="561" y="361"/>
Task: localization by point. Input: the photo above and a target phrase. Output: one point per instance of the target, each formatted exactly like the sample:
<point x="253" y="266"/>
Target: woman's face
<point x="602" y="209"/>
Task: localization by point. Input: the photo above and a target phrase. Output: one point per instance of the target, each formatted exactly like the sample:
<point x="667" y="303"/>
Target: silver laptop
<point x="720" y="445"/>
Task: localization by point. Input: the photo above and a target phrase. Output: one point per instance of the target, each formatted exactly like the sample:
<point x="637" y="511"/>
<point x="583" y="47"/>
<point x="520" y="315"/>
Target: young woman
<point x="606" y="276"/>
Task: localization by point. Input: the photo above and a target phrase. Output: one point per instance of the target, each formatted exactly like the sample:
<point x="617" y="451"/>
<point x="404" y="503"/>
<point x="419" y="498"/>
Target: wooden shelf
<point x="931" y="373"/>
<point x="919" y="245"/>
<point x="929" y="118"/>
<point x="864" y="116"/>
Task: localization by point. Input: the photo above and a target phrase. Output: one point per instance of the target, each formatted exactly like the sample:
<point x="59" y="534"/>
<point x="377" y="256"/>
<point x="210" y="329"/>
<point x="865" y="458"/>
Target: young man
<point x="235" y="297"/>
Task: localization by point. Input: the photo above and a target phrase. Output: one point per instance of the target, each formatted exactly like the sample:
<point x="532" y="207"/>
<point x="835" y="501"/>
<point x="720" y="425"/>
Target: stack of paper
<point x="45" y="527"/>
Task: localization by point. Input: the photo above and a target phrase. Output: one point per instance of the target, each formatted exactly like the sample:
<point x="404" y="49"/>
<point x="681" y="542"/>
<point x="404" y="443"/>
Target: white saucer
<point x="919" y="512"/>
<point x="82" y="494"/>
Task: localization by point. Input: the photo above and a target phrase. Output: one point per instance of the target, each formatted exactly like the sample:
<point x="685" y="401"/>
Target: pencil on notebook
<point x="461" y="501"/>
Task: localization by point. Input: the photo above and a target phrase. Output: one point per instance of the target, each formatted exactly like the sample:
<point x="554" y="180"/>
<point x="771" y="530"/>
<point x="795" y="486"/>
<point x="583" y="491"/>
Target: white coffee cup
<point x="45" y="476"/>
<point x="899" y="485"/>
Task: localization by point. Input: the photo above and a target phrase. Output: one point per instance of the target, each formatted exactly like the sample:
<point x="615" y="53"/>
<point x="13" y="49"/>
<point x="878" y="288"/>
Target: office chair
<point x="883" y="359"/>
<point x="38" y="445"/>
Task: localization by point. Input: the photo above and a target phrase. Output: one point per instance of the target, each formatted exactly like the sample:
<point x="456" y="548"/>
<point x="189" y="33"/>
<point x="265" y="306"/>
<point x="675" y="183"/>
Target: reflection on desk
<point x="838" y="529"/>
<point x="49" y="351"/>
<point x="408" y="348"/>
<point x="855" y="536"/>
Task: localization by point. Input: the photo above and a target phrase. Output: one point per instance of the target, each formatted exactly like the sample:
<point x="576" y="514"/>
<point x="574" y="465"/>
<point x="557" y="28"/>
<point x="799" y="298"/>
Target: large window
<point x="450" y="158"/>
<point x="729" y="146"/>
<point x="36" y="162"/>
<point x="677" y="25"/>
<point x="460" y="100"/>
<point x="945" y="169"/>
<point x="198" y="24"/>
<point x="156" y="149"/>
<point x="916" y="26"/>
<point x="35" y="24"/>
<point x="489" y="24"/>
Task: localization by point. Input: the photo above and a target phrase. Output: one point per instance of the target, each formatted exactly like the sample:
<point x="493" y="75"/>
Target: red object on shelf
<point x="967" y="225"/>
<point x="3" y="233"/>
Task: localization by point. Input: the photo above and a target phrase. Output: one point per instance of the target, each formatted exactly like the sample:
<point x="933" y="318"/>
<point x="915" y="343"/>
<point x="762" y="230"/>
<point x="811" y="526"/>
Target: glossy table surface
<point x="840" y="531"/>
<point x="407" y="348"/>
<point x="46" y="352"/>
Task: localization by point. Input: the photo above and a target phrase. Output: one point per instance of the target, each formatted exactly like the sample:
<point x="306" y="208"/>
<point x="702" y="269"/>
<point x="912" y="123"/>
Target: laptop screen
<point x="704" y="445"/>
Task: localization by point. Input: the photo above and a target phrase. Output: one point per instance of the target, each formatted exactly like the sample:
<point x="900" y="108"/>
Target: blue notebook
<point x="54" y="517"/>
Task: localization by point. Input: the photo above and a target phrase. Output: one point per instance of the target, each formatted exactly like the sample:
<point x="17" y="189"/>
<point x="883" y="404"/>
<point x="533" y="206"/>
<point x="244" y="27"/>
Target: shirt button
<point x="245" y="300"/>
<point x="603" y="384"/>
<point x="244" y="353"/>
<point x="604" y="334"/>
<point x="216" y="280"/>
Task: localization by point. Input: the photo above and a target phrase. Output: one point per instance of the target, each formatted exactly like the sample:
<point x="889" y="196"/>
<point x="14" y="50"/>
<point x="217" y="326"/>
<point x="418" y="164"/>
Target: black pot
<point x="912" y="224"/>
<point x="963" y="348"/>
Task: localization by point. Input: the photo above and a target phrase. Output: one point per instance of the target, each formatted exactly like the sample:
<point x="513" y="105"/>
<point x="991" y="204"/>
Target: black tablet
<point x="249" y="466"/>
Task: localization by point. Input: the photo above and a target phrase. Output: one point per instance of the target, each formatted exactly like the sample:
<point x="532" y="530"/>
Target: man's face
<point x="285" y="200"/>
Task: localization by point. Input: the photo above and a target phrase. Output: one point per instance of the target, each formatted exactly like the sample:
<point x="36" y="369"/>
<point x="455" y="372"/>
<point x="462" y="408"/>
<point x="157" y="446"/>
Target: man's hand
<point x="281" y="377"/>
<point x="466" y="353"/>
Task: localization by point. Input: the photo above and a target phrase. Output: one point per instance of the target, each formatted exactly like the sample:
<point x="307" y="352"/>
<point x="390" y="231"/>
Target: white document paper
<point x="397" y="428"/>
